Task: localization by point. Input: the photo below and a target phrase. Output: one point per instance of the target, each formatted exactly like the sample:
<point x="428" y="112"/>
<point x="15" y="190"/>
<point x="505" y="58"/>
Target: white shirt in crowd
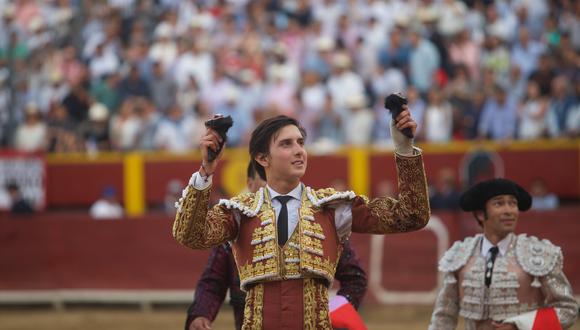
<point x="104" y="209"/>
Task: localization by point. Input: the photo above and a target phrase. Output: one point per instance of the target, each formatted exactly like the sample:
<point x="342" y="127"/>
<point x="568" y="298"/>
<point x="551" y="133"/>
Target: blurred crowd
<point x="89" y="76"/>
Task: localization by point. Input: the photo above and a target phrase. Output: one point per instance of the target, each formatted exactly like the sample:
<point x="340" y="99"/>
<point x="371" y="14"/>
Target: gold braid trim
<point x="253" y="311"/>
<point x="309" y="304"/>
<point x="411" y="211"/>
<point x="316" y="314"/>
<point x="197" y="228"/>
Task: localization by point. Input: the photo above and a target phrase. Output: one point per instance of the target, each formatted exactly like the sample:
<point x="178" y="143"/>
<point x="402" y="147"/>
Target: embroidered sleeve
<point x="198" y="228"/>
<point x="559" y="295"/>
<point x="389" y="215"/>
<point x="446" y="306"/>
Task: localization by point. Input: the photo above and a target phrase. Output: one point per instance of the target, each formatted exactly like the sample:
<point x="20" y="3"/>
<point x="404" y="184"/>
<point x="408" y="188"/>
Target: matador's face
<point x="287" y="158"/>
<point x="501" y="215"/>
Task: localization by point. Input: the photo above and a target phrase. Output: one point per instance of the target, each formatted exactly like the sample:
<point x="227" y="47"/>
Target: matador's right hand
<point x="212" y="140"/>
<point x="200" y="323"/>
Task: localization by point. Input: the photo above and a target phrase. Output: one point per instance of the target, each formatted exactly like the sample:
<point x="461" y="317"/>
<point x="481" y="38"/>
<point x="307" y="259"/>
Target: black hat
<point x="474" y="198"/>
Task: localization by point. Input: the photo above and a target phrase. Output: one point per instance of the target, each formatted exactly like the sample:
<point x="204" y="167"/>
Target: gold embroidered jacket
<point x="315" y="249"/>
<point x="529" y="276"/>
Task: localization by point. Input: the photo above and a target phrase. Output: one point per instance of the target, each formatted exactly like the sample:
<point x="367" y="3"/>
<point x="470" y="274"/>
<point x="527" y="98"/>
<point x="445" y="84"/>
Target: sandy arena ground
<point x="385" y="318"/>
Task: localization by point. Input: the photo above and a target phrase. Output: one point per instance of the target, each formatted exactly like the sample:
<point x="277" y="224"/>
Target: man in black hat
<point x="499" y="280"/>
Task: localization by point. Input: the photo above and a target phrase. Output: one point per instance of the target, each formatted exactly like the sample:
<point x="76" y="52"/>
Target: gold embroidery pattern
<point x="309" y="304"/>
<point x="318" y="266"/>
<point x="323" y="314"/>
<point x="198" y="228"/>
<point x="411" y="212"/>
<point x="189" y="227"/>
<point x="265" y="255"/>
<point x="311" y="236"/>
<point x="315" y="305"/>
<point x="302" y="255"/>
<point x="291" y="252"/>
<point x="253" y="311"/>
<point x="252" y="272"/>
<point x="220" y="227"/>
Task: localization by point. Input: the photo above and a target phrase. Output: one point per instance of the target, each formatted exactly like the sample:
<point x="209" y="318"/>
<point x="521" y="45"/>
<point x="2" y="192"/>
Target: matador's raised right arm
<point x="198" y="227"/>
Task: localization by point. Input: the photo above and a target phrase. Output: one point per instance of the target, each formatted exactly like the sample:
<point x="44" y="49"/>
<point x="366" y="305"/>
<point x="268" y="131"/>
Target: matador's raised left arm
<point x="409" y="212"/>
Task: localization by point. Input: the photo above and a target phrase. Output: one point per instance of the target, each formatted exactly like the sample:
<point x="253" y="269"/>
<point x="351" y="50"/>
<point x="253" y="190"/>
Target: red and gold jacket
<point x="312" y="251"/>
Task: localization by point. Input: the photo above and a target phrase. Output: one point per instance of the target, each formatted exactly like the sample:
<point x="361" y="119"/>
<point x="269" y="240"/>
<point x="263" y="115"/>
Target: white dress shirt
<point x="503" y="245"/>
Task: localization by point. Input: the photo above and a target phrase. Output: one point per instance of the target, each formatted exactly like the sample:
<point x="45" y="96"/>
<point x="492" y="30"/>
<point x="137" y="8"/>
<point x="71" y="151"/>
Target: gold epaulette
<point x="325" y="196"/>
<point x="247" y="203"/>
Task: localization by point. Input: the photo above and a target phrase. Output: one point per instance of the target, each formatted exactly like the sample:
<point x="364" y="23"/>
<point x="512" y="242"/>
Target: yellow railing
<point x="358" y="163"/>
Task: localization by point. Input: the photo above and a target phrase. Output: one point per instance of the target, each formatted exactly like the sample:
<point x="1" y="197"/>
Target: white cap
<point x="276" y="71"/>
<point x="402" y="20"/>
<point x="163" y="30"/>
<point x="231" y="94"/>
<point x="324" y="44"/>
<point x="341" y="60"/>
<point x="31" y="108"/>
<point x="248" y="76"/>
<point x="9" y="10"/>
<point x="279" y="49"/>
<point x="36" y="23"/>
<point x="98" y="112"/>
<point x="427" y="14"/>
<point x="356" y="101"/>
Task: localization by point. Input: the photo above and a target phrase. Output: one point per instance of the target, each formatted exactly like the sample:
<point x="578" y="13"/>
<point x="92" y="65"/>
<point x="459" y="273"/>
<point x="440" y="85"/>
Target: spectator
<point x="471" y="115"/>
<point x="133" y="85"/>
<point x="424" y="61"/>
<point x="542" y="199"/>
<point x="32" y="135"/>
<point x="77" y="103"/>
<point x="438" y="122"/>
<point x="526" y="51"/>
<point x="164" y="49"/>
<point x="173" y="191"/>
<point x="396" y="51"/>
<point x="18" y="204"/>
<point x="498" y="117"/>
<point x="178" y="132"/>
<point x="162" y="87"/>
<point x="560" y="104"/>
<point x="62" y="132"/>
<point x="445" y="194"/>
<point x="107" y="206"/>
<point x="355" y="47"/>
<point x="103" y="62"/>
<point x="149" y="119"/>
<point x="125" y="126"/>
<point x="459" y="92"/>
<point x="107" y="91"/>
<point x="544" y="74"/>
<point x="532" y="114"/>
<point x="95" y="131"/>
<point x="360" y="121"/>
<point x="343" y="82"/>
<point x="464" y="51"/>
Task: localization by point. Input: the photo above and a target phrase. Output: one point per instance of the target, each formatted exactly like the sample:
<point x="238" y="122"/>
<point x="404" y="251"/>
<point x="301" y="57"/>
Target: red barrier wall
<point x="79" y="182"/>
<point x="64" y="251"/>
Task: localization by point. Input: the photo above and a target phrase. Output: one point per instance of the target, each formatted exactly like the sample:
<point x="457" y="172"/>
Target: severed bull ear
<point x="221" y="125"/>
<point x="394" y="103"/>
